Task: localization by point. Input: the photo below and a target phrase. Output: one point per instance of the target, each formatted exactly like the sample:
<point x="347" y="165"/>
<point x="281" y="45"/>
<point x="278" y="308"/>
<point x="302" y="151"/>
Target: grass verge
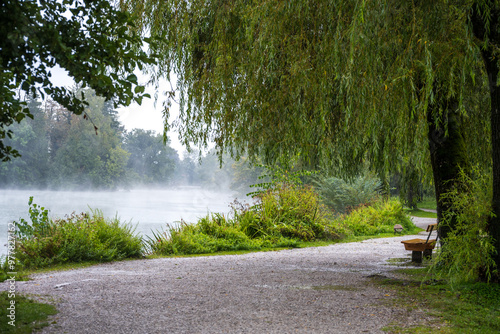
<point x="27" y="317"/>
<point x="428" y="203"/>
<point x="467" y="308"/>
<point x="303" y="244"/>
<point x="421" y="213"/>
<point x="24" y="273"/>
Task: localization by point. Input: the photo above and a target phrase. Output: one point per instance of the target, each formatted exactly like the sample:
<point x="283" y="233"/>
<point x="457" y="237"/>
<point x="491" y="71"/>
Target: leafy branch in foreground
<point x="91" y="40"/>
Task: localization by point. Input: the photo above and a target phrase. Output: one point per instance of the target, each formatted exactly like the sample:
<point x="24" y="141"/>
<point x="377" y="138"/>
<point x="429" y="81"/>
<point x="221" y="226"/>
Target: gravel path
<point x="313" y="290"/>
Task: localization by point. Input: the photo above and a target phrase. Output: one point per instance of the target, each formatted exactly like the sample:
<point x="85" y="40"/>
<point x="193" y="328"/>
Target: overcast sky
<point x="145" y="116"/>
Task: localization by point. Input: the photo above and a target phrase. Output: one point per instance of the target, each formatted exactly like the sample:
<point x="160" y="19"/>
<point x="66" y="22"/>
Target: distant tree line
<point x="62" y="150"/>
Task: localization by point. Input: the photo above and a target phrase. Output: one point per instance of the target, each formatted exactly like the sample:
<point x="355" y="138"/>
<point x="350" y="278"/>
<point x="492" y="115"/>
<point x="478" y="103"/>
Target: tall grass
<point x="380" y="217"/>
<point x="289" y="211"/>
<point x="78" y="237"/>
<point x="214" y="233"/>
<point x="283" y="216"/>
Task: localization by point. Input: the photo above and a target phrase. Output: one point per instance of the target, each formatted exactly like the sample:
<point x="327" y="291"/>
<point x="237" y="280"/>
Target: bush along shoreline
<point x="284" y="216"/>
<point x="76" y="238"/>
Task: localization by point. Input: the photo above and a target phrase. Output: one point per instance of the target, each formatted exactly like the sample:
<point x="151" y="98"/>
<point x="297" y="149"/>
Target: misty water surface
<point x="148" y="209"/>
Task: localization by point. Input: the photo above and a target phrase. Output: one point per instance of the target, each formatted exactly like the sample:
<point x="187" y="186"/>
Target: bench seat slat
<point x="419" y="244"/>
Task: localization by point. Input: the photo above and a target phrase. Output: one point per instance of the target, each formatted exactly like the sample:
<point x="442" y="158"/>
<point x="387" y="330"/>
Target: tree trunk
<point x="448" y="156"/>
<point x="494" y="222"/>
<point x="412" y="188"/>
<point x="489" y="30"/>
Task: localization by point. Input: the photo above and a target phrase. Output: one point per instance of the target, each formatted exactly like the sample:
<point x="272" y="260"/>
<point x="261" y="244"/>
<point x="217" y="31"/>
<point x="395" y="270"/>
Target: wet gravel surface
<point x="314" y="290"/>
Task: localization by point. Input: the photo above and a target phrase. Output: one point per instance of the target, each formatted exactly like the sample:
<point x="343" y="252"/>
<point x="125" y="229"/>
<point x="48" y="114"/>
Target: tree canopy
<point x="332" y="81"/>
<point x="402" y="85"/>
<point x="91" y="40"/>
<point x="60" y="150"/>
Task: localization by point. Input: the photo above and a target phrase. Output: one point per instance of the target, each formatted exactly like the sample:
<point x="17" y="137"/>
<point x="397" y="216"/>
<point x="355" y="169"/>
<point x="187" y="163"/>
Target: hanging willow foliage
<point x="333" y="82"/>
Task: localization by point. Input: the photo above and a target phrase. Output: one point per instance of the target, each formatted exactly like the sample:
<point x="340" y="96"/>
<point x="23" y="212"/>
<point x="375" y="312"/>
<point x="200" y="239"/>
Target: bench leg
<point x="428" y="253"/>
<point x="416" y="256"/>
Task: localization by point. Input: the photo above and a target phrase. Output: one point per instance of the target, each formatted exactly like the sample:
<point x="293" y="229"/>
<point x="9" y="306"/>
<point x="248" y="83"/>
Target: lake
<point x="146" y="208"/>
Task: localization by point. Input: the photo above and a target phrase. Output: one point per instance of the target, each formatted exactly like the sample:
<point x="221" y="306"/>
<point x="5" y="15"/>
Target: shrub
<point x="341" y="196"/>
<point x="291" y="211"/>
<point x="378" y="218"/>
<point x="82" y="237"/>
<point x="466" y="254"/>
<point x="281" y="217"/>
<point x="210" y="235"/>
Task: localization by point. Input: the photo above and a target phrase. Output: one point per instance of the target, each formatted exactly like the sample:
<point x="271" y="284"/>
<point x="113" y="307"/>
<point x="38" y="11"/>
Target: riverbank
<point x="313" y="290"/>
<point x="147" y="209"/>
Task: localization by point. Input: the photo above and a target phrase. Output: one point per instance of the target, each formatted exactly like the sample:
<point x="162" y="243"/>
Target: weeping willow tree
<point x="485" y="22"/>
<point x="338" y="83"/>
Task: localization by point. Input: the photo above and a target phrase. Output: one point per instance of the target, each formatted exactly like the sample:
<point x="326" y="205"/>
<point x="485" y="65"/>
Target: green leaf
<point x="25" y="86"/>
<point x="132" y="78"/>
<point x="19" y="117"/>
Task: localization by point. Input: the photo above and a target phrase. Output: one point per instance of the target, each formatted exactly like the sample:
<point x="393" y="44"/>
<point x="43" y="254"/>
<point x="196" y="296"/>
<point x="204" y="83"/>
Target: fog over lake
<point x="148" y="209"/>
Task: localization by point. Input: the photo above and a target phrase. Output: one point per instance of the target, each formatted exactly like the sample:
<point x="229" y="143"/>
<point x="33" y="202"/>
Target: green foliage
<point x="245" y="174"/>
<point x="212" y="234"/>
<point x="60" y="150"/>
<point x="87" y="157"/>
<point x="39" y="222"/>
<point x="211" y="172"/>
<point x="422" y="213"/>
<point x="464" y="308"/>
<point x="275" y="176"/>
<point x="151" y="161"/>
<point x="29" y="315"/>
<point x="292" y="211"/>
<point x="428" y="203"/>
<point x="380" y="217"/>
<point x="280" y="218"/>
<point x="338" y="83"/>
<point x="94" y="43"/>
<point x="284" y="216"/>
<point x="82" y="237"/>
<point x="30" y="139"/>
<point x="341" y="196"/>
<point x="466" y="254"/>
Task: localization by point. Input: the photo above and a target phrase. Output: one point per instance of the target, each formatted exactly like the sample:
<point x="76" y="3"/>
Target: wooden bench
<point x="421" y="247"/>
